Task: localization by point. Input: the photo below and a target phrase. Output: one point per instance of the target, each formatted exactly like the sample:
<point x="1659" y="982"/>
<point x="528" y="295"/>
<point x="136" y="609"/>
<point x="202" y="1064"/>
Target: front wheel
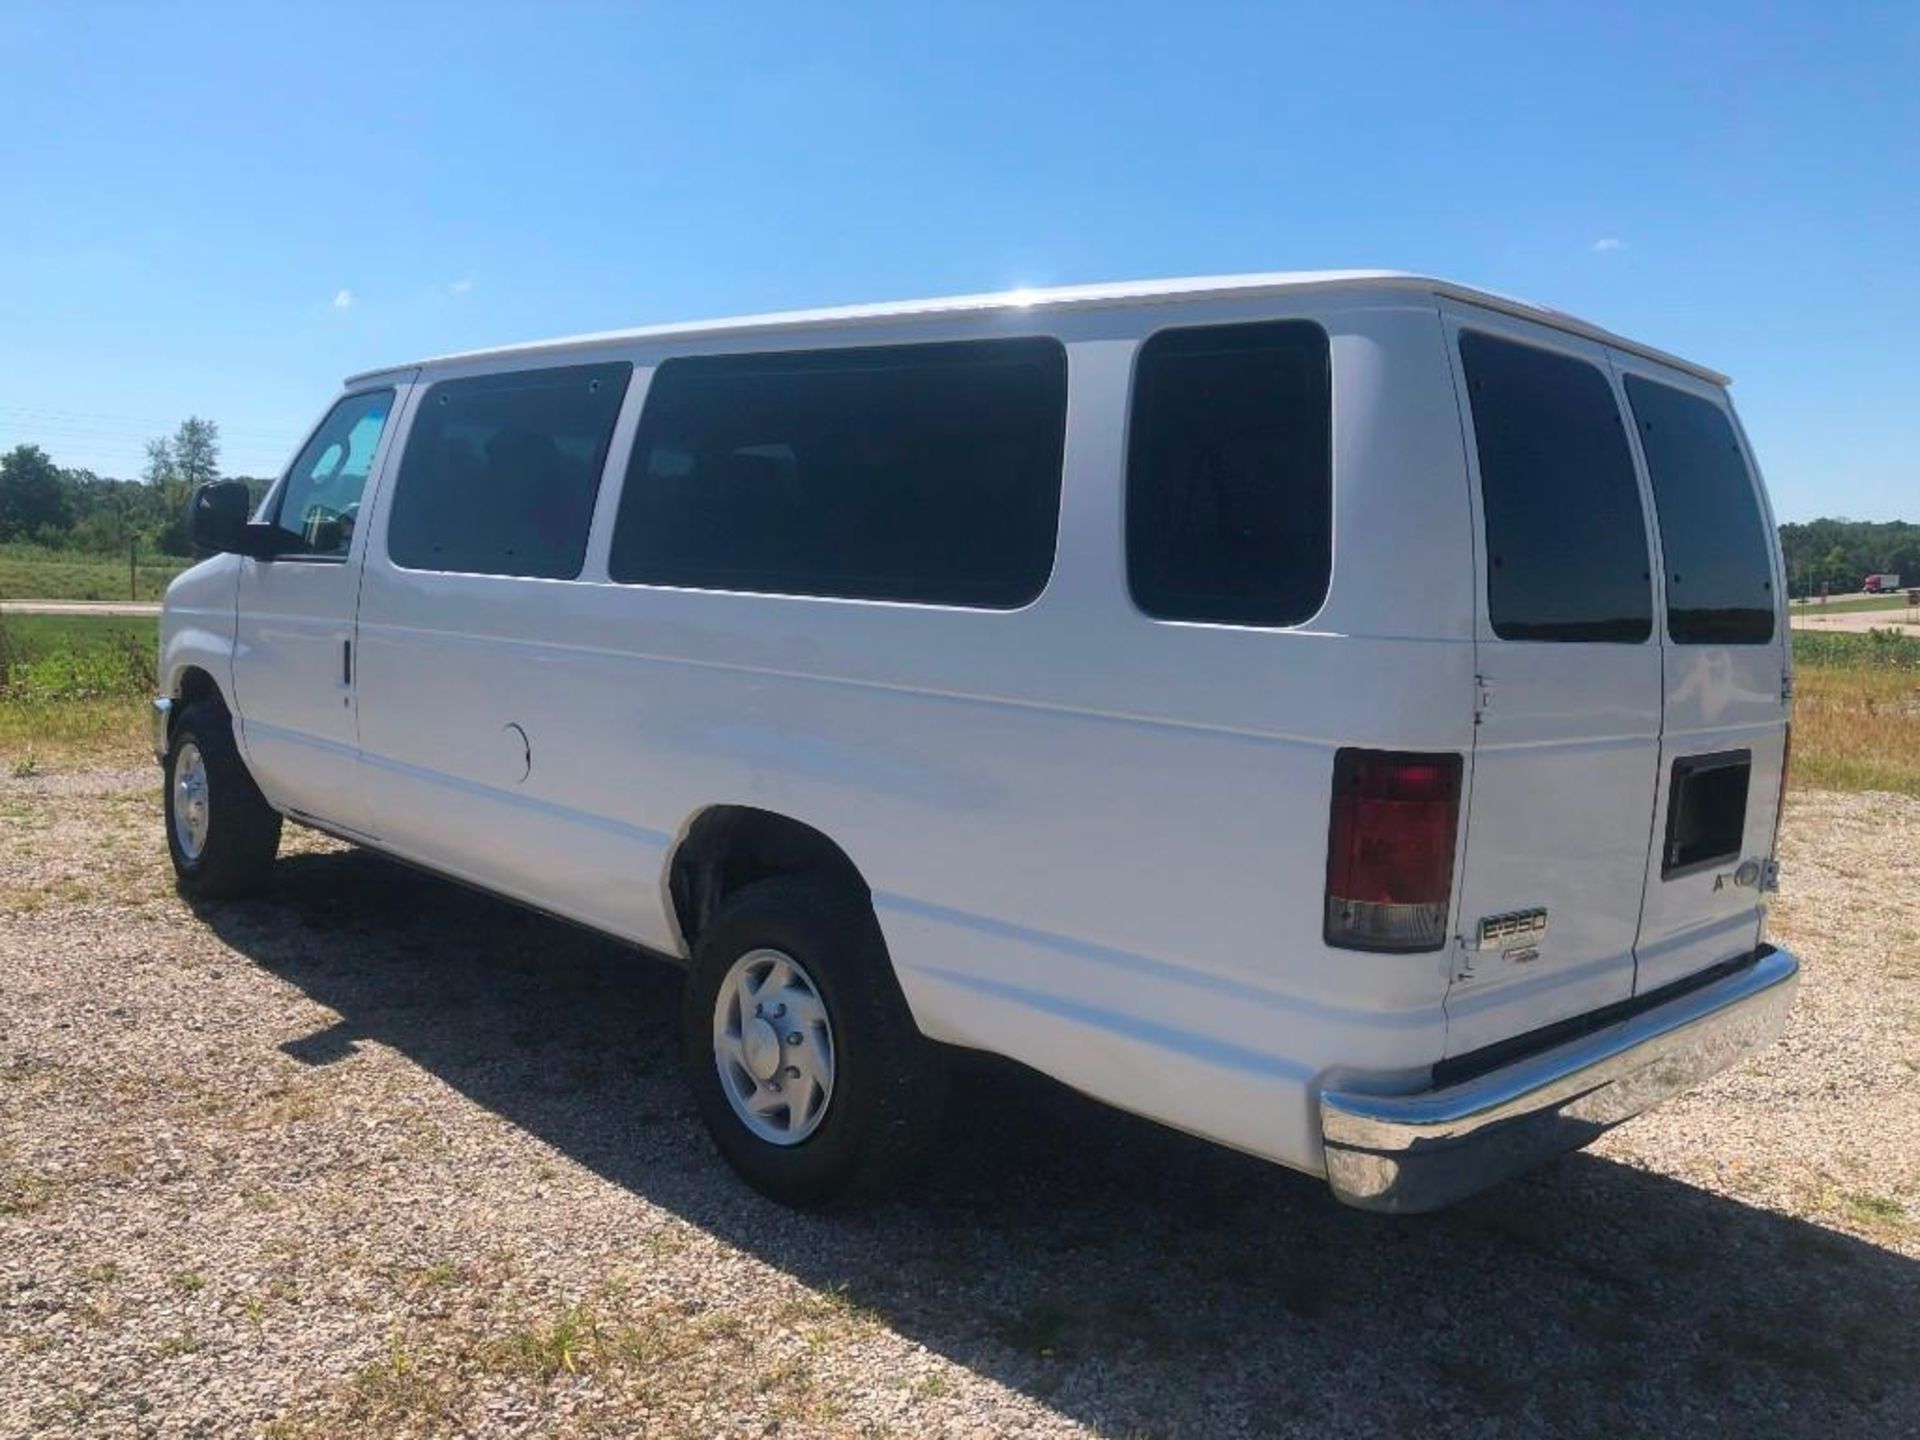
<point x="804" y="1061"/>
<point x="221" y="832"/>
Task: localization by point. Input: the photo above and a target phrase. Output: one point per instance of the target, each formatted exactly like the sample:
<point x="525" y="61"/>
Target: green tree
<point x="196" y="451"/>
<point x="169" y="489"/>
<point x="33" y="502"/>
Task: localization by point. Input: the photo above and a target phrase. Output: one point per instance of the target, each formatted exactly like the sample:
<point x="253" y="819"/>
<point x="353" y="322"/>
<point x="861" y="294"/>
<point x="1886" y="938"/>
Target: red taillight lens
<point x="1390" y="849"/>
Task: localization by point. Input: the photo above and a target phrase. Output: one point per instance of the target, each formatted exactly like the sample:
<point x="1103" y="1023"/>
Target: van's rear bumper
<point x="1422" y="1151"/>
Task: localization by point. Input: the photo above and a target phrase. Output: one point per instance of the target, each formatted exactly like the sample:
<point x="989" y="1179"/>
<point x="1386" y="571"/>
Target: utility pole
<point x="133" y="567"/>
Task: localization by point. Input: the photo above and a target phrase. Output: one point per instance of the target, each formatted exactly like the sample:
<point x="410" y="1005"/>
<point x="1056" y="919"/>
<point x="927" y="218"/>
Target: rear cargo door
<point x="1724" y="651"/>
<point x="1567" y="734"/>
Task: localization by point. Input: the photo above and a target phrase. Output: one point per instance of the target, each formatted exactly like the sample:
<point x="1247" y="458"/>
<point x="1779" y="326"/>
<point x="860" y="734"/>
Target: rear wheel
<point x="221" y="832"/>
<point x="804" y="1061"/>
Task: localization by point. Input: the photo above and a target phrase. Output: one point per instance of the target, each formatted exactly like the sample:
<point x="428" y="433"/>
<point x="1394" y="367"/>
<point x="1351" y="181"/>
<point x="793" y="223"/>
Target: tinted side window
<point x="320" y="501"/>
<point x="1719" y="559"/>
<point x="1566" y="537"/>
<point x="501" y="471"/>
<point x="1230" y="474"/>
<point x="926" y="473"/>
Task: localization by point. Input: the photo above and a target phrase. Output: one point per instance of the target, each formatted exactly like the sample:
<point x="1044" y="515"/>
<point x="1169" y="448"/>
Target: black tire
<point x="243" y="831"/>
<point x="888" y="1080"/>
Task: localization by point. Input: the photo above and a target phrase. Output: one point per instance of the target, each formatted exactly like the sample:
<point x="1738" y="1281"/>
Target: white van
<point x="1340" y="715"/>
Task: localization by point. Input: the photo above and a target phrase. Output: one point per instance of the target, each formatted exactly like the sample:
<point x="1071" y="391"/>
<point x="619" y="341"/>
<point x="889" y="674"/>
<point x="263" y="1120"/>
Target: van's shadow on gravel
<point x="1132" y="1278"/>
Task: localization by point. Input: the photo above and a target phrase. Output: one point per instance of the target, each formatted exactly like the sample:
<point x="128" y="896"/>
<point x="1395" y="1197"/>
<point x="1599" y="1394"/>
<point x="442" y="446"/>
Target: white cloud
<point x="343" y="300"/>
<point x="461" y="286"/>
<point x="1608" y="242"/>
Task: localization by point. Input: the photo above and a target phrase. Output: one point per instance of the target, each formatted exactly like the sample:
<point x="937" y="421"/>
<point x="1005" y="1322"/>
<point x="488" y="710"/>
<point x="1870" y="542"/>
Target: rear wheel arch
<point x="725" y="848"/>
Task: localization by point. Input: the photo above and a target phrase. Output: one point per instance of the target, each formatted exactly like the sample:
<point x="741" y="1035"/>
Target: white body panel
<point x="1096" y="841"/>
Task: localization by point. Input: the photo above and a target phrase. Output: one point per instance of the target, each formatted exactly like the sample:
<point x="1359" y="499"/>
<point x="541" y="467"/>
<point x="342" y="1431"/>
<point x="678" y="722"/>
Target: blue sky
<point x="225" y="210"/>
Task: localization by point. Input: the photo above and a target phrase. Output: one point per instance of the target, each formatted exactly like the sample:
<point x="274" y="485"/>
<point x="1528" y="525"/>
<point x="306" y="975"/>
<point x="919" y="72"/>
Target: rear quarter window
<point x="1566" y="537"/>
<point x="1230" y="474"/>
<point x="1719" y="562"/>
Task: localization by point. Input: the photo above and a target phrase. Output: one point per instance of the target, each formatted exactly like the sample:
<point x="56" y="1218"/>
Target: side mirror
<point x="217" y="524"/>
<point x="217" y="517"/>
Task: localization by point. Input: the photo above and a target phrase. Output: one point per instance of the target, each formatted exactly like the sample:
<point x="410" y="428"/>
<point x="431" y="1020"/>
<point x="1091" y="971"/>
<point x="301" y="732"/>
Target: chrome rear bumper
<point x="1407" y="1153"/>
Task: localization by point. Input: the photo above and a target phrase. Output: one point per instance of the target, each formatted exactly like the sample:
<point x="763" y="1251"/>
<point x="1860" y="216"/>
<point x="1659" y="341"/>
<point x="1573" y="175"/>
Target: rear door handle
<point x="346" y="662"/>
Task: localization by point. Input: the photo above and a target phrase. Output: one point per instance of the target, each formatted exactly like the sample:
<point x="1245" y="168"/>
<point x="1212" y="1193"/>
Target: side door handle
<point x="346" y="662"/>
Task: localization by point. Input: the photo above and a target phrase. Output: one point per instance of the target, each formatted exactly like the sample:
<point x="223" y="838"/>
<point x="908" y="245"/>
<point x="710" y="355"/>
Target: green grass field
<point x="1848" y="607"/>
<point x="30" y="572"/>
<point x="74" y="687"/>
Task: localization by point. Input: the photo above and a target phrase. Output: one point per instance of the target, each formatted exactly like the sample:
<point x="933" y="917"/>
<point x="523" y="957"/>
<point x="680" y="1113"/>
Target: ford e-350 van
<point x="1340" y="715"/>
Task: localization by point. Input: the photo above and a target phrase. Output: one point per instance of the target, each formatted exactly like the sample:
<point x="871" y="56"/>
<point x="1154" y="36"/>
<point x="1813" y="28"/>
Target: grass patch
<point x="37" y="734"/>
<point x="1857" y="729"/>
<point x="33" y="572"/>
<point x="1868" y="1209"/>
<point x="1854" y="606"/>
<point x="73" y="688"/>
<point x="22" y="1192"/>
<point x="1868" y="650"/>
<point x="1040" y="1328"/>
<point x="76" y="657"/>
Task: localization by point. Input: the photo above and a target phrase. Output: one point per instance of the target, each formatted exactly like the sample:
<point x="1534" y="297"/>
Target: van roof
<point x="1133" y="292"/>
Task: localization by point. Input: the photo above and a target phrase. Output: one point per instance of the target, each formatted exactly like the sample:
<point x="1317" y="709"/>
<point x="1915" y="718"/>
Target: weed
<point x="1038" y="1328"/>
<point x="184" y="1343"/>
<point x="22" y="1192"/>
<point x="568" y="1345"/>
<point x="933" y="1385"/>
<point x="1868" y="1209"/>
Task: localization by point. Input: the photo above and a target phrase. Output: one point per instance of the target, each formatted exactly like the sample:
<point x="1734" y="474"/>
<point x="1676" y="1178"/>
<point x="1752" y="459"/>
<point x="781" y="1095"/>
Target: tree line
<point x="74" y="509"/>
<point x="79" y="510"/>
<point x="1840" y="554"/>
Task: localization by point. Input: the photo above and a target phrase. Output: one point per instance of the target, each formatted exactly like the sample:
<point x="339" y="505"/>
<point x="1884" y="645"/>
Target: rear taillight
<point x="1390" y="849"/>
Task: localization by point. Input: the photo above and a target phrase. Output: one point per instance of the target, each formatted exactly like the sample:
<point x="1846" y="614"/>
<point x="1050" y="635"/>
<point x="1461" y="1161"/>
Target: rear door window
<point x="501" y="471"/>
<point x="1719" y="576"/>
<point x="1566" y="536"/>
<point x="1230" y="474"/>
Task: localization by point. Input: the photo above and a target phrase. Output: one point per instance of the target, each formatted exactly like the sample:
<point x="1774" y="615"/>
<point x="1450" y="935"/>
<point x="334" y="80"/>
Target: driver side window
<point x="320" y="500"/>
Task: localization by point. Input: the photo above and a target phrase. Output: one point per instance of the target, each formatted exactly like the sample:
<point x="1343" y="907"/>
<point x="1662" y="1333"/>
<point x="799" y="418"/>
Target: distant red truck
<point x="1881" y="584"/>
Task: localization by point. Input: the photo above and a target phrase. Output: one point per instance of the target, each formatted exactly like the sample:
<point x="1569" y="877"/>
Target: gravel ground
<point x="374" y="1155"/>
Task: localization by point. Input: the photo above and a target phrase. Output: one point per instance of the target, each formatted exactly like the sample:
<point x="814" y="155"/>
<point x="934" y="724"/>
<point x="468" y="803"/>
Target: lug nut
<point x="794" y="1038"/>
<point x="793" y="1072"/>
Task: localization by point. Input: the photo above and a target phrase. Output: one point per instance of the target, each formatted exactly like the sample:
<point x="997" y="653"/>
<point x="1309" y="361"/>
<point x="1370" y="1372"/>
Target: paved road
<point x="125" y="608"/>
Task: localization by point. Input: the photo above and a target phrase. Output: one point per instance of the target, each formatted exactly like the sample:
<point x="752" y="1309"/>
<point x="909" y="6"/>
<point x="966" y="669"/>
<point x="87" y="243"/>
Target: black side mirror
<point x="217" y="517"/>
<point x="217" y="524"/>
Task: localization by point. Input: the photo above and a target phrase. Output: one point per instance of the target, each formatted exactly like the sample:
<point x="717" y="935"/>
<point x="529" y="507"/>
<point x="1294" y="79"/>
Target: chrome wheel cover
<point x="773" y="1046"/>
<point x="191" y="816"/>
